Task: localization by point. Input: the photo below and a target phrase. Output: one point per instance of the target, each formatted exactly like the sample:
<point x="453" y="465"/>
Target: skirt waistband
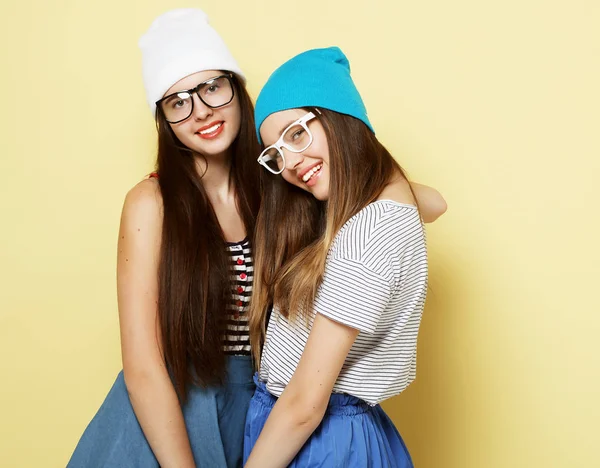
<point x="339" y="403"/>
<point x="239" y="370"/>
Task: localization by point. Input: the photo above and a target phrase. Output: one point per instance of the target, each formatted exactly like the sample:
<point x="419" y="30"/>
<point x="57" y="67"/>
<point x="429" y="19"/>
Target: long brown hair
<point x="193" y="277"/>
<point x="294" y="231"/>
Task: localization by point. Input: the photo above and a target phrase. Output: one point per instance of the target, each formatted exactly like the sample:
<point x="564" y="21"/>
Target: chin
<point x="321" y="196"/>
<point x="222" y="149"/>
<point x="215" y="149"/>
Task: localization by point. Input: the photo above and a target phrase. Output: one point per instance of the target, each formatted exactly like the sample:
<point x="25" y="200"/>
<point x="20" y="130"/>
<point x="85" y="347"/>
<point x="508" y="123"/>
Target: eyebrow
<point x="284" y="127"/>
<point x="280" y="133"/>
<point x="170" y="97"/>
<point x="189" y="89"/>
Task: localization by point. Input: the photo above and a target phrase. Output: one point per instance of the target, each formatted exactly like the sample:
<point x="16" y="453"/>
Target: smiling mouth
<point x="309" y="175"/>
<point x="212" y="131"/>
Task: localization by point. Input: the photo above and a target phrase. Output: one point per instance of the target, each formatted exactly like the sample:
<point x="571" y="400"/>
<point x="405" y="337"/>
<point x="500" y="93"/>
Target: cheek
<point x="237" y="122"/>
<point x="181" y="132"/>
<point x="319" y="148"/>
<point x="234" y="115"/>
<point x="324" y="151"/>
<point x="289" y="178"/>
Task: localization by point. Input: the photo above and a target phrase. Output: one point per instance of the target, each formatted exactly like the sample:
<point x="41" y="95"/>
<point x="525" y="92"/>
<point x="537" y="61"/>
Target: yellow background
<point x="494" y="103"/>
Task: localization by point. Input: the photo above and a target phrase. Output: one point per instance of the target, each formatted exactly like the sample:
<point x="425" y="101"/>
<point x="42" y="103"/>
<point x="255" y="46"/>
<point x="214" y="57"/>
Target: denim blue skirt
<point x="214" y="418"/>
<point x="351" y="435"/>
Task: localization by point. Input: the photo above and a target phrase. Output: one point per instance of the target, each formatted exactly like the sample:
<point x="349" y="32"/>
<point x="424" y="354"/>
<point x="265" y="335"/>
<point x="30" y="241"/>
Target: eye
<point x="178" y="101"/>
<point x="297" y="134"/>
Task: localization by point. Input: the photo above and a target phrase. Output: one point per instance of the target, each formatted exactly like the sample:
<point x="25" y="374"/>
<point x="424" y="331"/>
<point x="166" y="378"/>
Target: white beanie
<point x="178" y="44"/>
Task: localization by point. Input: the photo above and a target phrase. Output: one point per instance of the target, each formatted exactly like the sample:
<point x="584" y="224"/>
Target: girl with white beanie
<point x="184" y="265"/>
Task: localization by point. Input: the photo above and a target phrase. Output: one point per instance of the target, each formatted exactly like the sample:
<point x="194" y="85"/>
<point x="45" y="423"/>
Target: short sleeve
<point x="352" y="294"/>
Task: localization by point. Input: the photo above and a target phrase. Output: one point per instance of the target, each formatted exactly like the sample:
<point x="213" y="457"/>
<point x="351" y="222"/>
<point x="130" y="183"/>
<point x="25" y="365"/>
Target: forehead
<point x="276" y="123"/>
<point x="192" y="80"/>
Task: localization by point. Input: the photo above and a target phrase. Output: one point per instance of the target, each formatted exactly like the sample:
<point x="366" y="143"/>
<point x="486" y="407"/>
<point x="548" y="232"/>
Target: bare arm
<point x="150" y="389"/>
<point x="431" y="203"/>
<point x="302" y="404"/>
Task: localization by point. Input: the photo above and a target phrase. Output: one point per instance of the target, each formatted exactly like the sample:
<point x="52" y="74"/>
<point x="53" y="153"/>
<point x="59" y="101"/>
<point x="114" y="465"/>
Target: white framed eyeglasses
<point x="295" y="138"/>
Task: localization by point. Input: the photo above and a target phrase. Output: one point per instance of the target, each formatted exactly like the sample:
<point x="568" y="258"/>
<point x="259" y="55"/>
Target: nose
<point x="201" y="110"/>
<point x="292" y="160"/>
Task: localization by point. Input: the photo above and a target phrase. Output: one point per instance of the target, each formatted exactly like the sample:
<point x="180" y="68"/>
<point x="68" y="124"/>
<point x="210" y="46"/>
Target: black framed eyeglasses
<point x="215" y="92"/>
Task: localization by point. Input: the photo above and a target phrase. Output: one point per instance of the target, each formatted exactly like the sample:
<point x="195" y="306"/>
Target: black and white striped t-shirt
<point x="375" y="280"/>
<point x="237" y="338"/>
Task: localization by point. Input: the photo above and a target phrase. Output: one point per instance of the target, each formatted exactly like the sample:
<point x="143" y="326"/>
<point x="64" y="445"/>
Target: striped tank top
<point x="237" y="334"/>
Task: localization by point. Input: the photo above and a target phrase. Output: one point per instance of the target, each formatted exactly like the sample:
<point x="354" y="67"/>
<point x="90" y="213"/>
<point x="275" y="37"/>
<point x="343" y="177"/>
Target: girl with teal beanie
<point x="340" y="256"/>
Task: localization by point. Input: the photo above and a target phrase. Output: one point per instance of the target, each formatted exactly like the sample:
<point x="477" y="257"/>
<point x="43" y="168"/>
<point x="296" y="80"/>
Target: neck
<point x="215" y="173"/>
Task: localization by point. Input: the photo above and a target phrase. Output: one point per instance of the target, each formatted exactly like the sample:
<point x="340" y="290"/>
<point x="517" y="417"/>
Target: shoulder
<point x="375" y="221"/>
<point x="143" y="204"/>
<point x="398" y="190"/>
<point x="379" y="235"/>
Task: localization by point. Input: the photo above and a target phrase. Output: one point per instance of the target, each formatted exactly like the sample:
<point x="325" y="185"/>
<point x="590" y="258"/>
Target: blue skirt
<point x="214" y="418"/>
<point x="351" y="435"/>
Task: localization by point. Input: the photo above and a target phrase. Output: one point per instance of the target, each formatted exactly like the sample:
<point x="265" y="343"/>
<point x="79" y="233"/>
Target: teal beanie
<point x="315" y="78"/>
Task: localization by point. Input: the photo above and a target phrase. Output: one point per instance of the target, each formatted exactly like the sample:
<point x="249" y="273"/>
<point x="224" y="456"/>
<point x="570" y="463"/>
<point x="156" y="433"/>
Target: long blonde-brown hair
<point x="294" y="230"/>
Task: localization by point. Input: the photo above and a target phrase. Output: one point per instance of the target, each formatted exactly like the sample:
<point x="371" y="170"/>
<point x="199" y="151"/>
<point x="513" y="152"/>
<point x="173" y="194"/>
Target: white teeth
<point x="211" y="129"/>
<point x="311" y="173"/>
